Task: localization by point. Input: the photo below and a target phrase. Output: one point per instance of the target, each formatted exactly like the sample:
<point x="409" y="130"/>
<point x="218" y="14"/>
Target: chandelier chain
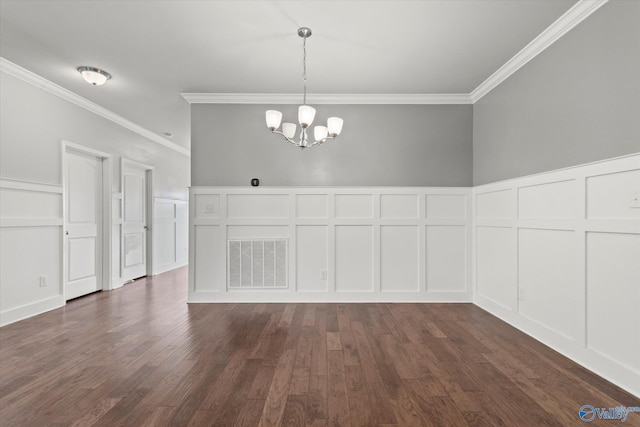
<point x="304" y="69"/>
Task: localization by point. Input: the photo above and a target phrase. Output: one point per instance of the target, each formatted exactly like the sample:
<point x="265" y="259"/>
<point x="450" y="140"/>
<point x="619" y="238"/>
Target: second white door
<point x="134" y="221"/>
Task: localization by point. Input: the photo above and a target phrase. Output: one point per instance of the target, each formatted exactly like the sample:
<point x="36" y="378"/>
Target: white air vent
<point x="257" y="264"/>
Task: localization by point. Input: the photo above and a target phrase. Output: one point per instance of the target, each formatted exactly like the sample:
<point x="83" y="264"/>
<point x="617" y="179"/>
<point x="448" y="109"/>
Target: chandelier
<point x="306" y="113"/>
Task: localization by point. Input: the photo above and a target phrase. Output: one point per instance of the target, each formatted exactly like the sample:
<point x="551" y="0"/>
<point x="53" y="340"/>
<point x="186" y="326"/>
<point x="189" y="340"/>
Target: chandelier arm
<point x="284" y="136"/>
<point x="302" y="139"/>
<point x="323" y="140"/>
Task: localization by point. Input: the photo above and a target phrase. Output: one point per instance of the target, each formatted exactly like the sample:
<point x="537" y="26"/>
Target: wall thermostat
<point x="255" y="182"/>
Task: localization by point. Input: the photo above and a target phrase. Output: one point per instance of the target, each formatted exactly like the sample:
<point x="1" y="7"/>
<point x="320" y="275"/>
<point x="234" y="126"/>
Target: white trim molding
<point x="16" y="314"/>
<point x="40" y="187"/>
<point x="33" y="79"/>
<point x="328" y="98"/>
<point x="44" y="211"/>
<point x="578" y="13"/>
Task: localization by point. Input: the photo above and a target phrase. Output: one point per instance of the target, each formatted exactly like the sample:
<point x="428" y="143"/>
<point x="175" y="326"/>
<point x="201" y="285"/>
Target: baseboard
<point x="163" y="268"/>
<point x="116" y="283"/>
<point x="13" y="315"/>
<point x="286" y="296"/>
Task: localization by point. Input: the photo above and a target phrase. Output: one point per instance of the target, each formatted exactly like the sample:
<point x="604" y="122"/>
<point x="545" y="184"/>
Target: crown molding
<point x="33" y="79"/>
<point x="572" y="17"/>
<point x="326" y="98"/>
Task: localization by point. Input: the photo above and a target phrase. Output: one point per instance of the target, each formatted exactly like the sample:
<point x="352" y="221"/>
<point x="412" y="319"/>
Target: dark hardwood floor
<point x="140" y="356"/>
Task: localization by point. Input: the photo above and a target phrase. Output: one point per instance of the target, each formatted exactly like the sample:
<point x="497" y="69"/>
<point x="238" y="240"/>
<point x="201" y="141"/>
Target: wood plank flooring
<point x="140" y="356"/>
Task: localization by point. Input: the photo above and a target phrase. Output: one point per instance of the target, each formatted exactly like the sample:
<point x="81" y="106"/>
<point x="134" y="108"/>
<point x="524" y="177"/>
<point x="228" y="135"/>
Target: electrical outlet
<point x="209" y="208"/>
<point x="43" y="281"/>
<point x="323" y="274"/>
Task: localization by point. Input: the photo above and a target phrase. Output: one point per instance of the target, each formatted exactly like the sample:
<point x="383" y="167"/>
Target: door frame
<point x="148" y="212"/>
<point x="105" y="228"/>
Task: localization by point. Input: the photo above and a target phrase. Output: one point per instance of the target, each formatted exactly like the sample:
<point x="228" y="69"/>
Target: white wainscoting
<point x="170" y="234"/>
<point x="344" y="244"/>
<point x="558" y="256"/>
<point x="31" y="245"/>
<point x="116" y="225"/>
<point x="30" y="249"/>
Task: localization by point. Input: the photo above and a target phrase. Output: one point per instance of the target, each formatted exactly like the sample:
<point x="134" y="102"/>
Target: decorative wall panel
<point x="354" y="205"/>
<point x="565" y="266"/>
<point x="559" y="200"/>
<point x="399" y="258"/>
<point x="30" y="249"/>
<point x="344" y="244"/>
<point x="446" y="206"/>
<point x="354" y="258"/>
<point x="447" y="265"/>
<point x="611" y="195"/>
<point x="613" y="297"/>
<point x="396" y="206"/>
<point x="170" y="234"/>
<point x="312" y="206"/>
<point x="546" y="278"/>
<point x="312" y="251"/>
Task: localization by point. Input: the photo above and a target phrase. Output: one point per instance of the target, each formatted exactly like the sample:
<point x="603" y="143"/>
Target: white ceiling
<point x="156" y="50"/>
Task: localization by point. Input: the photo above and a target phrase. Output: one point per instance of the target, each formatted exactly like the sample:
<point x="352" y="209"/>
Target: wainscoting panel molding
<point x="116" y="224"/>
<point x="557" y="255"/>
<point x="30" y="236"/>
<point x="348" y="244"/>
<point x="170" y="234"/>
<point x="31" y="245"/>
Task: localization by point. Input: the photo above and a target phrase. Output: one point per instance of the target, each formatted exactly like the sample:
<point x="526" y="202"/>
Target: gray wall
<point x="577" y="102"/>
<point x="34" y="122"/>
<point x="381" y="145"/>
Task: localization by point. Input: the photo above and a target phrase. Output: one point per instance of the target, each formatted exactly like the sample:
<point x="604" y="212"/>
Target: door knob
<point x="146" y="228"/>
<point x="66" y="233"/>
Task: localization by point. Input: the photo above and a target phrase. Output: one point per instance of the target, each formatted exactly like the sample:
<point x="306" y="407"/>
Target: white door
<point x="83" y="225"/>
<point x="134" y="221"/>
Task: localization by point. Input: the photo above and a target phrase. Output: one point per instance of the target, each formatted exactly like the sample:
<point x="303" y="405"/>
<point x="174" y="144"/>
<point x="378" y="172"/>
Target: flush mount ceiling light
<point x="93" y="75"/>
<point x="306" y="113"/>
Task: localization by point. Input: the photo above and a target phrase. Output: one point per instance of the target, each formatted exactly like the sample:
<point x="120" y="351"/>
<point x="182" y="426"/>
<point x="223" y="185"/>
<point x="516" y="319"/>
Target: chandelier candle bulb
<point x="335" y="126"/>
<point x="274" y="118"/>
<point x="306" y="114"/>
<point x="320" y="133"/>
<point x="289" y="130"/>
